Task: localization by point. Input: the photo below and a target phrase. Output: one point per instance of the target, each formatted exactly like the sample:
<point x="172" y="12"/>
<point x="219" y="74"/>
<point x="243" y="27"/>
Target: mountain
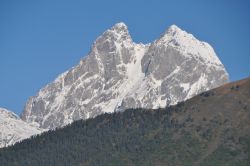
<point x="118" y="74"/>
<point x="212" y="128"/>
<point x="13" y="129"/>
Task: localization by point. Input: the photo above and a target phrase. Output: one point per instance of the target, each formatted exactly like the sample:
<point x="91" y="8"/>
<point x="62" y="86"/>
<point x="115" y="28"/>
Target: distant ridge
<point x="13" y="129"/>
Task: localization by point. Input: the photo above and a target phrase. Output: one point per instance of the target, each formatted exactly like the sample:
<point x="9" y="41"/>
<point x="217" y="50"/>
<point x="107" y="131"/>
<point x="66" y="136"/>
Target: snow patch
<point x="185" y="86"/>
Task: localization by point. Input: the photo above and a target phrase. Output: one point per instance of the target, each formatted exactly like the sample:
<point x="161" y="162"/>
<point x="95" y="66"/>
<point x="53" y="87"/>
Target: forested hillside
<point x="212" y="128"/>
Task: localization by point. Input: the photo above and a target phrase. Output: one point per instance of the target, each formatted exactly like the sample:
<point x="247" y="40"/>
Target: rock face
<point x="13" y="129"/>
<point x="119" y="74"/>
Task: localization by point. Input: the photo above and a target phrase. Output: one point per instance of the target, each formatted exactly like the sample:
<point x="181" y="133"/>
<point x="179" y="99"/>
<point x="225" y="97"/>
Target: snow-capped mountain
<point x="119" y="73"/>
<point x="13" y="129"/>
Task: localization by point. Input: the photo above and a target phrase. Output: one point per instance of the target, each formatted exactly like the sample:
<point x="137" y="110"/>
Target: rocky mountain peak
<point x="173" y="29"/>
<point x="120" y="27"/>
<point x="189" y="45"/>
<point x="119" y="74"/>
<point x="176" y="36"/>
<point x="116" y="34"/>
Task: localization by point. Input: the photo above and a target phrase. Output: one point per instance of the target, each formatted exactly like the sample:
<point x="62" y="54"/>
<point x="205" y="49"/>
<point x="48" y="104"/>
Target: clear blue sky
<point x="41" y="39"/>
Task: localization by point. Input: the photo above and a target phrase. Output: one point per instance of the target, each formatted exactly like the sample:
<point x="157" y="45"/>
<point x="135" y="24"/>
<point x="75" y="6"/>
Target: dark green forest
<point x="210" y="129"/>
